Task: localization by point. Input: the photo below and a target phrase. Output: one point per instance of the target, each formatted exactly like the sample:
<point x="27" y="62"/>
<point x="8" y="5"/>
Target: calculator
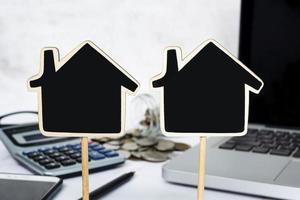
<point x="54" y="156"/>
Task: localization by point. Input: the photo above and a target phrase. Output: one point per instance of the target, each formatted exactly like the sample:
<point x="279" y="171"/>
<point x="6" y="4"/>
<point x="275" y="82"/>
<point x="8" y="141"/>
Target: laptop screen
<point x="270" y="46"/>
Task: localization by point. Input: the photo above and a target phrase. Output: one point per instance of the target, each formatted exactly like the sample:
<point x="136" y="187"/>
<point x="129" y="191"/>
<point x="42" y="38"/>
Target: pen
<point x="110" y="186"/>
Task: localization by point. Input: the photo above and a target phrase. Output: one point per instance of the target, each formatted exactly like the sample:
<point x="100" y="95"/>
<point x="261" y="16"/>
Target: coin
<point x="154" y="156"/>
<point x="165" y="145"/>
<point x="115" y="142"/>
<point x="102" y="140"/>
<point x="131" y="146"/>
<point x="143" y="149"/>
<point x="146" y="141"/>
<point x="181" y="146"/>
<point x="139" y="144"/>
<point x="136" y="154"/>
<point x="111" y="147"/>
<point x="125" y="154"/>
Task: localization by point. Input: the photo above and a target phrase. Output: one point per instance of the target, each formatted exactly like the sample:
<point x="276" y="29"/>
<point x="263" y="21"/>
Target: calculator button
<point x="96" y="156"/>
<point x="61" y="158"/>
<point x="58" y="147"/>
<point x="92" y="145"/>
<point x="45" y="161"/>
<point x="38" y="158"/>
<point x="27" y="152"/>
<point x="52" y="165"/>
<point x="79" y="160"/>
<point x="33" y="154"/>
<point x="55" y="154"/>
<point x="111" y="154"/>
<point x="104" y="151"/>
<point x="44" y="149"/>
<point x="63" y="149"/>
<point x="68" y="162"/>
<point x="98" y="148"/>
<point x="69" y="145"/>
<point x="76" y="147"/>
<point x="75" y="155"/>
<point x="69" y="152"/>
<point x="50" y="151"/>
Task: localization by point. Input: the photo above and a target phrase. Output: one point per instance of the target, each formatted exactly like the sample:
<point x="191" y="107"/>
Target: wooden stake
<point x="201" y="170"/>
<point x="85" y="168"/>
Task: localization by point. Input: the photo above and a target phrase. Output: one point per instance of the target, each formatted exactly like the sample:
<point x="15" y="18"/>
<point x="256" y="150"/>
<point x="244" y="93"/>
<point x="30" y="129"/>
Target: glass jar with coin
<point x="144" y="141"/>
<point x="144" y="112"/>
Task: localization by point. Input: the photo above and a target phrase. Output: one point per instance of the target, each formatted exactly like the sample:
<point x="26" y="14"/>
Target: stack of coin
<point x="134" y="146"/>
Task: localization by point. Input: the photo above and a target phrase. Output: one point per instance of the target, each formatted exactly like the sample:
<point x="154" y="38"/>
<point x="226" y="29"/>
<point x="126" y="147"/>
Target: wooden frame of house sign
<point x="204" y="94"/>
<point x="81" y="95"/>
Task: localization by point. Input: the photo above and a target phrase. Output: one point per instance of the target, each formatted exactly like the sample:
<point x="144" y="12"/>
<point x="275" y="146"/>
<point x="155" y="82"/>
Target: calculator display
<point x="31" y="137"/>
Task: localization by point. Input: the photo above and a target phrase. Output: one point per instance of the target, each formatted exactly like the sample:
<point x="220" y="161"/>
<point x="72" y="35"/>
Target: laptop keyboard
<point x="264" y="141"/>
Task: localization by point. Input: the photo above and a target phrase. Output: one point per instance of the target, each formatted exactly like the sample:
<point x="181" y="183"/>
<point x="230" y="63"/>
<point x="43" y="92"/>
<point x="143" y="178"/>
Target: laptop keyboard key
<point x="244" y="139"/>
<point x="242" y="147"/>
<point x="227" y="145"/>
<point x="297" y="154"/>
<point x="291" y="147"/>
<point x="252" y="143"/>
<point x="281" y="152"/>
<point x="260" y="150"/>
<point x="271" y="146"/>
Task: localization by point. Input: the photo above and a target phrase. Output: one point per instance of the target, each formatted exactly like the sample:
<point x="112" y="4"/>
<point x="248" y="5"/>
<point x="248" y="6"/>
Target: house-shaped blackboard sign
<point x="82" y="94"/>
<point x="206" y="93"/>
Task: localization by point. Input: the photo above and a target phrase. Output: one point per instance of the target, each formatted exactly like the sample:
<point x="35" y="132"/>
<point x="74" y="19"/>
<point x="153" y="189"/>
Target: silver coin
<point x="181" y="146"/>
<point x="154" y="156"/>
<point x="135" y="154"/>
<point x="102" y="140"/>
<point x="130" y="146"/>
<point x="124" y="153"/>
<point x="146" y="142"/>
<point x="165" y="145"/>
<point x="140" y="149"/>
<point x="115" y="142"/>
<point x="111" y="147"/>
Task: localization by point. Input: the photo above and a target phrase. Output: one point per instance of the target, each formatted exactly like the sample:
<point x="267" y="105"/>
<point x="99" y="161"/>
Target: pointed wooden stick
<point x="85" y="168"/>
<point x="201" y="170"/>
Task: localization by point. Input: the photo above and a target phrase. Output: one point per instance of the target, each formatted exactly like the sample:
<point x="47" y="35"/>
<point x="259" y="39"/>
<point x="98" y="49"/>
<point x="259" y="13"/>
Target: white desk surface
<point x="146" y="184"/>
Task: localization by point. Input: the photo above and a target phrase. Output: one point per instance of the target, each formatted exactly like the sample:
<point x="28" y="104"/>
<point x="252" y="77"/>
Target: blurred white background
<point x="133" y="32"/>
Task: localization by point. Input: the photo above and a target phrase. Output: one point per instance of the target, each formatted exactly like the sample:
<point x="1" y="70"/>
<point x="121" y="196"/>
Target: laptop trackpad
<point x="290" y="175"/>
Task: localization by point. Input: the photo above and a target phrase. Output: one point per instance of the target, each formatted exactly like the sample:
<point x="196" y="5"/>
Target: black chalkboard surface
<point x="82" y="94"/>
<point x="209" y="95"/>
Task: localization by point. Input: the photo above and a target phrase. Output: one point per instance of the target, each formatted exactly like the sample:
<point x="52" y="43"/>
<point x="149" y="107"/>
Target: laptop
<point x="266" y="161"/>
